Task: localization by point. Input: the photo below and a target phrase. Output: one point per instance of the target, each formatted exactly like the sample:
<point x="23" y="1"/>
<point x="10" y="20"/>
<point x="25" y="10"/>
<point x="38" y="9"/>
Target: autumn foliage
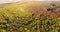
<point x="30" y="17"/>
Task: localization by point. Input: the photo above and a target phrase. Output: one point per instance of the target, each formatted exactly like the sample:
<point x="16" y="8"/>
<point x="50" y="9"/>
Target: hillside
<point x="41" y="8"/>
<point x="30" y="17"/>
